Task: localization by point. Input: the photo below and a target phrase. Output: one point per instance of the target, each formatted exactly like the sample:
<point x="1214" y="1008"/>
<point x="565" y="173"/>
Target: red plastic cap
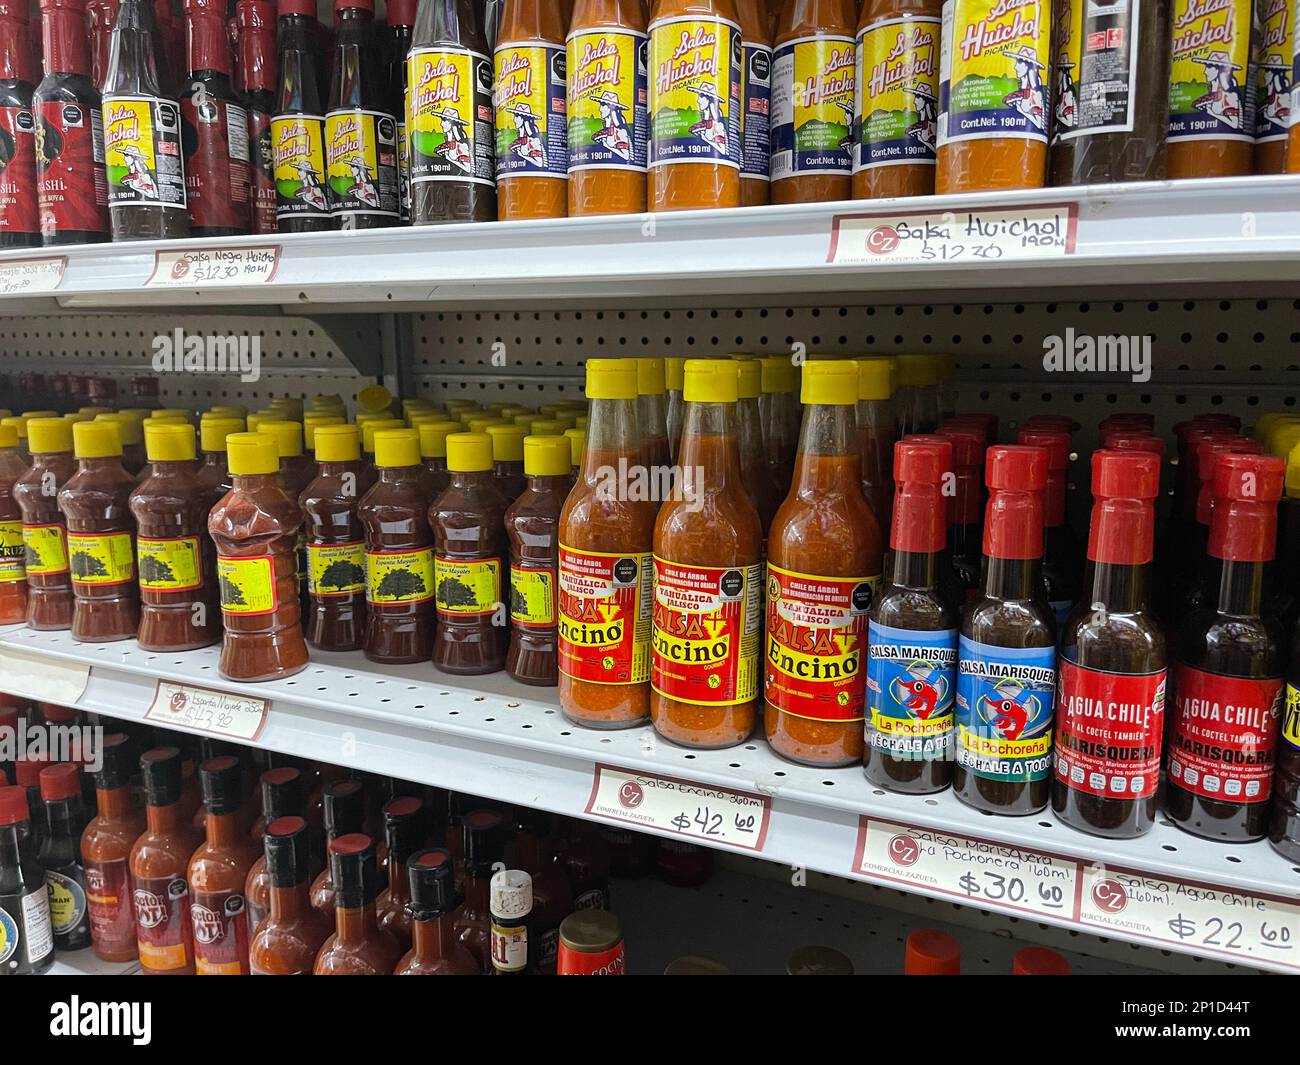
<point x="1062" y="422"/>
<point x="255" y="14"/>
<point x="1125" y="485"/>
<point x="363" y="5"/>
<point x="1125" y="475"/>
<point x="968" y="444"/>
<point x="987" y="424"/>
<point x="27" y="771"/>
<point x="61" y="781"/>
<point x="13" y="806"/>
<point x="286" y="826"/>
<point x="1243" y="525"/>
<point x="352" y="843"/>
<point x="64" y="5"/>
<point x="930" y="952"/>
<point x="922" y="459"/>
<point x="1249" y="478"/>
<point x="1015" y="468"/>
<point x="298" y="7"/>
<point x="1229" y="421"/>
<point x="1139" y="418"/>
<point x="920" y="520"/>
<point x="406" y="806"/>
<point x="1013" y="523"/>
<point x="280" y="776"/>
<point x="1055" y="442"/>
<point x="1132" y="440"/>
<point x="400" y="12"/>
<point x="1039" y="961"/>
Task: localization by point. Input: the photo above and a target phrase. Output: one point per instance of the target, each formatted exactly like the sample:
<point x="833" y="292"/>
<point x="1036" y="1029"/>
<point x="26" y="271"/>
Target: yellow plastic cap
<point x="288" y="437"/>
<point x="778" y="374"/>
<point x="337" y="443"/>
<point x="469" y="452"/>
<point x="459" y="404"/>
<point x="313" y="420"/>
<point x="510" y="410"/>
<point x="481" y="423"/>
<point x="833" y="384"/>
<point x="526" y="421"/>
<point x="95" y="440"/>
<point x="252" y="453"/>
<point x="547" y="456"/>
<point x="8" y="433"/>
<point x="419" y="417"/>
<point x="507" y="442"/>
<point x="415" y="406"/>
<point x="213" y="432"/>
<point x="94" y="411"/>
<point x="129" y="430"/>
<point x="174" y="414"/>
<point x="1292" y="472"/>
<point x="18" y="423"/>
<point x="226" y="410"/>
<point x="916" y="370"/>
<point x="650" y="377"/>
<point x="326" y="399"/>
<point x="40" y="414"/>
<point x="711" y="381"/>
<point x="78" y="417"/>
<point x="291" y="405"/>
<point x="610" y="379"/>
<point x="397" y="447"/>
<point x="369" y="429"/>
<point x="374" y="398"/>
<point x="48" y="435"/>
<point x="374" y="416"/>
<point x="433" y="438"/>
<point x="751" y="378"/>
<point x="875" y="378"/>
<point x="1283" y="438"/>
<point x="577" y="439"/>
<point x="674" y="373"/>
<point x="169" y="442"/>
<point x="581" y="423"/>
<point x="546" y="427"/>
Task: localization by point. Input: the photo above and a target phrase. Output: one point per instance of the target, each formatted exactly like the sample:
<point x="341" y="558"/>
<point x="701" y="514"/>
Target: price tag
<point x="681" y="807"/>
<point x="977" y="871"/>
<point x="1206" y="920"/>
<point x="215" y="267"/>
<point x="22" y="277"/>
<point x="990" y="234"/>
<point x="220" y="713"/>
<point x="49" y="680"/>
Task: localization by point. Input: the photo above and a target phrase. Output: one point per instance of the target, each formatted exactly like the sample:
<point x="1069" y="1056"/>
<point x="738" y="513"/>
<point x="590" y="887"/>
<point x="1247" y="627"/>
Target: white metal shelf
<point x="490" y="736"/>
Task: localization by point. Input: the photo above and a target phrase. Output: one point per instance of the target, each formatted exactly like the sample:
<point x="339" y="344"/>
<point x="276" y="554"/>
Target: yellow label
<point x="1291" y="716"/>
<point x="45" y="550"/>
<point x="528" y="101"/>
<point x="298" y="165"/>
<point x="607" y="100"/>
<point x="336" y="569"/>
<point x="812" y="106"/>
<point x="468" y="587"/>
<point x="532" y="596"/>
<point x="361" y="162"/>
<point x="101" y="558"/>
<point x="12" y="565"/>
<point x="399" y="576"/>
<point x="247" y="584"/>
<point x="449" y="115"/>
<point x="897" y="87"/>
<point x="1209" y="97"/>
<point x="997" y="747"/>
<point x="695" y="91"/>
<point x="172" y="565"/>
<point x="162" y="956"/>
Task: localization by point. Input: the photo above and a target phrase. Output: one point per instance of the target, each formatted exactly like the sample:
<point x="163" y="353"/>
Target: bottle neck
<point x="432" y="938"/>
<point x="258" y="61"/>
<point x="222" y="829"/>
<point x="1241" y="588"/>
<point x="611" y="435"/>
<point x="206" y="47"/>
<point x="917" y="570"/>
<point x="107" y="464"/>
<point x="1011" y="578"/>
<point x="476" y="891"/>
<point x="709" y="457"/>
<point x="164" y="820"/>
<point x="471" y="478"/>
<point x="338" y="469"/>
<point x="64" y="41"/>
<point x="61" y="816"/>
<point x="13" y="50"/>
<point x="355" y="925"/>
<point x="828" y="462"/>
<point x="397" y="474"/>
<point x="1119" y="588"/>
<point x="114" y="804"/>
<point x="652" y="416"/>
<point x="549" y="484"/>
<point x="290" y="903"/>
<point x="252" y="482"/>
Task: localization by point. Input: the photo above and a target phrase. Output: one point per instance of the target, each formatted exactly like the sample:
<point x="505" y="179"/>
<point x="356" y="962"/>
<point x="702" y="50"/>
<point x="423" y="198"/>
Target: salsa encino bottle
<point x="298" y="128"/>
<point x="19" y="216"/>
<point x="257" y="71"/>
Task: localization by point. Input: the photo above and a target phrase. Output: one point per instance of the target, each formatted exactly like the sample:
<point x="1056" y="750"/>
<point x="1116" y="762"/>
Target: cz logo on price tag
<point x="215" y="267"/>
<point x="240" y="717"/>
<point x="984" y="235"/>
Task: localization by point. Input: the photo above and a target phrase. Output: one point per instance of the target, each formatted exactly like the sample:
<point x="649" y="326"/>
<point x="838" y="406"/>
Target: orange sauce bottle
<point x="994" y="104"/>
<point x="695" y="57"/>
<point x="755" y="103"/>
<point x="1273" y="86"/>
<point x="532" y="144"/>
<point x="13" y="572"/>
<point x="813" y="69"/>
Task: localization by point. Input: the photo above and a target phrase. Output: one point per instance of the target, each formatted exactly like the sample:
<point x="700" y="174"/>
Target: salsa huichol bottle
<point x="27" y="947"/>
<point x="449" y="116"/>
<point x="143" y="156"/>
<point x="336" y="545"/>
<point x="72" y="189"/>
<point x="257" y="65"/>
<point x="60" y="854"/>
<point x="1228" y="677"/>
<point x="912" y="633"/>
<point x="1006" y="682"/>
<point x="298" y="127"/>
<point x="400" y="16"/>
<point x="1112" y="680"/>
<point x="360" y="130"/>
<point x="19" y="216"/>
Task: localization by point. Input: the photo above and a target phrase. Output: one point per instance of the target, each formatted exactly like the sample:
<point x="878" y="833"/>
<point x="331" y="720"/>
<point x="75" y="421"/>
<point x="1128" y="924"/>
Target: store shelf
<point x="1229" y="233"/>
<point x="492" y="737"/>
<point x="85" y="963"/>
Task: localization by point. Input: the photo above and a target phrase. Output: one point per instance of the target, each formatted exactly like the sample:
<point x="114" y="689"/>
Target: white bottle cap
<point x="511" y="894"/>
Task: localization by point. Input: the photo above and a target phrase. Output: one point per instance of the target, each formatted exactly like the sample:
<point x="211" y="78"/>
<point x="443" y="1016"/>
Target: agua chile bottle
<point x="1060" y="547"/>
<point x="532" y="138"/>
<point x="218" y="871"/>
<point x="532" y="526"/>
<point x="158" y="862"/>
<point x="344" y="812"/>
<point x="19" y="214"/>
<point x="823" y="569"/>
<point x="406" y="827"/>
<point x="449" y="115"/>
<point x="399" y="553"/>
<point x="60" y="855"/>
<point x="1229" y="665"/>
<point x="257" y="78"/>
<point x="1006" y="674"/>
<point x="336" y="545"/>
<point x="470" y="559"/>
<point x="282" y="796"/>
<point x="45" y="541"/>
<point x="298" y="126"/>
<point x="180" y="607"/>
<point x="912" y="633"/>
<point x="101" y="537"/>
<point x="434" y="907"/>
<point x="1110" y="709"/>
<point x="143" y="154"/>
<point x="704" y="675"/>
<point x="105" y="847"/>
<point x="358" y="947"/>
<point x="608" y="120"/>
<point x="13" y="569"/>
<point x="287" y="941"/>
<point x="255" y="529"/>
<point x="695" y="105"/>
<point x="24" y="895"/>
<point x="605" y="566"/>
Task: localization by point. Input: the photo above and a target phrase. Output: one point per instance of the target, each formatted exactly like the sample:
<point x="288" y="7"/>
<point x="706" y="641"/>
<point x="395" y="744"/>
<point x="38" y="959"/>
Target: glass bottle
<point x="335" y="542"/>
<point x="435" y="909"/>
<point x="406" y="827"/>
<point x="287" y="941"/>
<point x="105" y="848"/>
<point x="298" y="127"/>
<point x="13" y="568"/>
<point x="257" y="68"/>
<point x="358" y="947"/>
<point x="60" y="855"/>
<point x="19" y="215"/>
<point x="24" y="896"/>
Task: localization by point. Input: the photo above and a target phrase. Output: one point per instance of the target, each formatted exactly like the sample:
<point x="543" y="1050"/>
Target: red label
<point x="817" y="644"/>
<point x="605" y="616"/>
<point x="108" y="901"/>
<point x="72" y="188"/>
<point x="1108" y="729"/>
<point x="1225" y="732"/>
<point x="215" y="137"/>
<point x="18" y="171"/>
<point x="162" y="921"/>
<point x="220" y="922"/>
<point x="596" y="963"/>
<point x="262" y="183"/>
<point x="706" y="632"/>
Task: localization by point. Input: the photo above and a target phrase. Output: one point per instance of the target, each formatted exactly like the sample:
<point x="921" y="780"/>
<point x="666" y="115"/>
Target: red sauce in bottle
<point x="282" y="796"/>
<point x="45" y="542"/>
<point x="435" y="908"/>
<point x="105" y="849"/>
<point x="358" y="947"/>
<point x="344" y="812"/>
<point x="335" y="542"/>
<point x="287" y="941"/>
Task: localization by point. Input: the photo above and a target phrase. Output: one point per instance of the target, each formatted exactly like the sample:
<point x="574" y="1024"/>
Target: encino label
<point x="605" y="616"/>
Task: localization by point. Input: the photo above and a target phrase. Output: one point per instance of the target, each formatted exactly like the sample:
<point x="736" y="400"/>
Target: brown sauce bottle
<point x="406" y="829"/>
<point x="335" y="542"/>
<point x="213" y="475"/>
<point x="433" y="450"/>
<point x="1111" y="696"/>
<point x="358" y="947"/>
<point x="45" y="540"/>
<point x="282" y="796"/>
<point x="343" y="806"/>
<point x="1060" y="546"/>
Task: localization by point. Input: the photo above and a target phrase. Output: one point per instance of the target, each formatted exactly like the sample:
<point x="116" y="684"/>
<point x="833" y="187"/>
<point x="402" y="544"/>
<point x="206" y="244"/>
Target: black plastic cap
<point x="345" y="807"/>
<point x="353" y="871"/>
<point x="281" y="793"/>
<point x="285" y="842"/>
<point x="405" y="826"/>
<point x="161" y="769"/>
<point x="219" y="779"/>
<point x="433" y="884"/>
<point x="115" y="766"/>
<point x="485" y="841"/>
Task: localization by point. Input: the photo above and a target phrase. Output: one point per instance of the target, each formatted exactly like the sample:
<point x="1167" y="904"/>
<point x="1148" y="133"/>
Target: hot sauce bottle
<point x="652" y="413"/>
<point x="282" y="796"/>
<point x="28" y="941"/>
<point x="1060" y="547"/>
<point x="400" y="17"/>
<point x="19" y="215"/>
<point x="45" y="546"/>
<point x="105" y="847"/>
<point x="435" y="906"/>
<point x="896" y="98"/>
<point x="1006" y="679"/>
<point x="812" y="101"/>
<point x="755" y="103"/>
<point x="335" y="541"/>
<point x="993" y="65"/>
<point x="965" y="510"/>
<point x="255" y="529"/>
<point x="257" y="79"/>
<point x="674" y="381"/>
<point x="508" y="459"/>
<point x="760" y="485"/>
<point x="695" y="105"/>
<point x="60" y="855"/>
<point x="484" y="849"/>
<point x="875" y="425"/>
<point x="344" y="812"/>
<point x="358" y="947"/>
<point x="778" y="407"/>
<point x="71" y="187"/>
<point x="101" y="540"/>
<point x="287" y="941"/>
<point x="606" y="541"/>
<point x="1228" y="677"/>
<point x="824" y="561"/>
<point x="532" y="527"/>
<point x="708" y="577"/>
<point x="1110" y="704"/>
<point x="406" y="827"/>
<point x="591" y="944"/>
<point x="13" y="570"/>
<point x="912" y="634"/>
<point x="298" y="128"/>
<point x="158" y="861"/>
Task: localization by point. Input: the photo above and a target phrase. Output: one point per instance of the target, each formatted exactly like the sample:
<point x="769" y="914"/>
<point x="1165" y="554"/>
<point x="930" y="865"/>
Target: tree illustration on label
<point x="32" y="557"/>
<point x="343" y="574"/>
<point x="401" y="584"/>
<point x="155" y="570"/>
<point x="85" y="564"/>
<point x="522" y="605"/>
<point x="452" y="592"/>
<point x="231" y="593"/>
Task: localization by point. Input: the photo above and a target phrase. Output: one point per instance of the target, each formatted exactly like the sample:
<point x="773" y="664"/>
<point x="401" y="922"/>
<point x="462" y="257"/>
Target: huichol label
<point x="607" y="100"/>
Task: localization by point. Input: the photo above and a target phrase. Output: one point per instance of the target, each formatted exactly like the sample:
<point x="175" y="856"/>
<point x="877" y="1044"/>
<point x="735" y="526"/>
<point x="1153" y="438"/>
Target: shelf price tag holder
<point x="239" y="717"/>
<point x="44" y="679"/>
<point x="714" y="815"/>
<point x="30" y="277"/>
<point x="976" y="235"/>
<point x="214" y="267"/>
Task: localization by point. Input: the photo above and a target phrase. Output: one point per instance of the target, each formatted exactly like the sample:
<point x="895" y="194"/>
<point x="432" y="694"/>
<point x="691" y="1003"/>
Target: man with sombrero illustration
<point x="1067" y="104"/>
<point x="1275" y="99"/>
<point x="137" y="173"/>
<point x="924" y="129"/>
<point x="310" y="190"/>
<point x="1029" y="99"/>
<point x="1223" y="98"/>
<point x="614" y="135"/>
<point x="455" y="148"/>
<point x="528" y="138"/>
<point x="710" y="128"/>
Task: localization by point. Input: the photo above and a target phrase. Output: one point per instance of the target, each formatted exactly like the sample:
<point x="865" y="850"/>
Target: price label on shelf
<point x="24" y="277"/>
<point x="981" y="872"/>
<point x="1236" y="926"/>
<point x="987" y="234"/>
<point x="215" y="267"/>
<point x="49" y="680"/>
<point x="682" y="807"/>
<point x="240" y="717"/>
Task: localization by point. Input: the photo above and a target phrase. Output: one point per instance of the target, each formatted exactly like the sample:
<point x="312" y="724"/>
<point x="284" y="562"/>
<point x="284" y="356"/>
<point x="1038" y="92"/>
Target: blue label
<point x="911" y="681"/>
<point x="532" y="136"/>
<point x="756" y="136"/>
<point x="1004" y="710"/>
